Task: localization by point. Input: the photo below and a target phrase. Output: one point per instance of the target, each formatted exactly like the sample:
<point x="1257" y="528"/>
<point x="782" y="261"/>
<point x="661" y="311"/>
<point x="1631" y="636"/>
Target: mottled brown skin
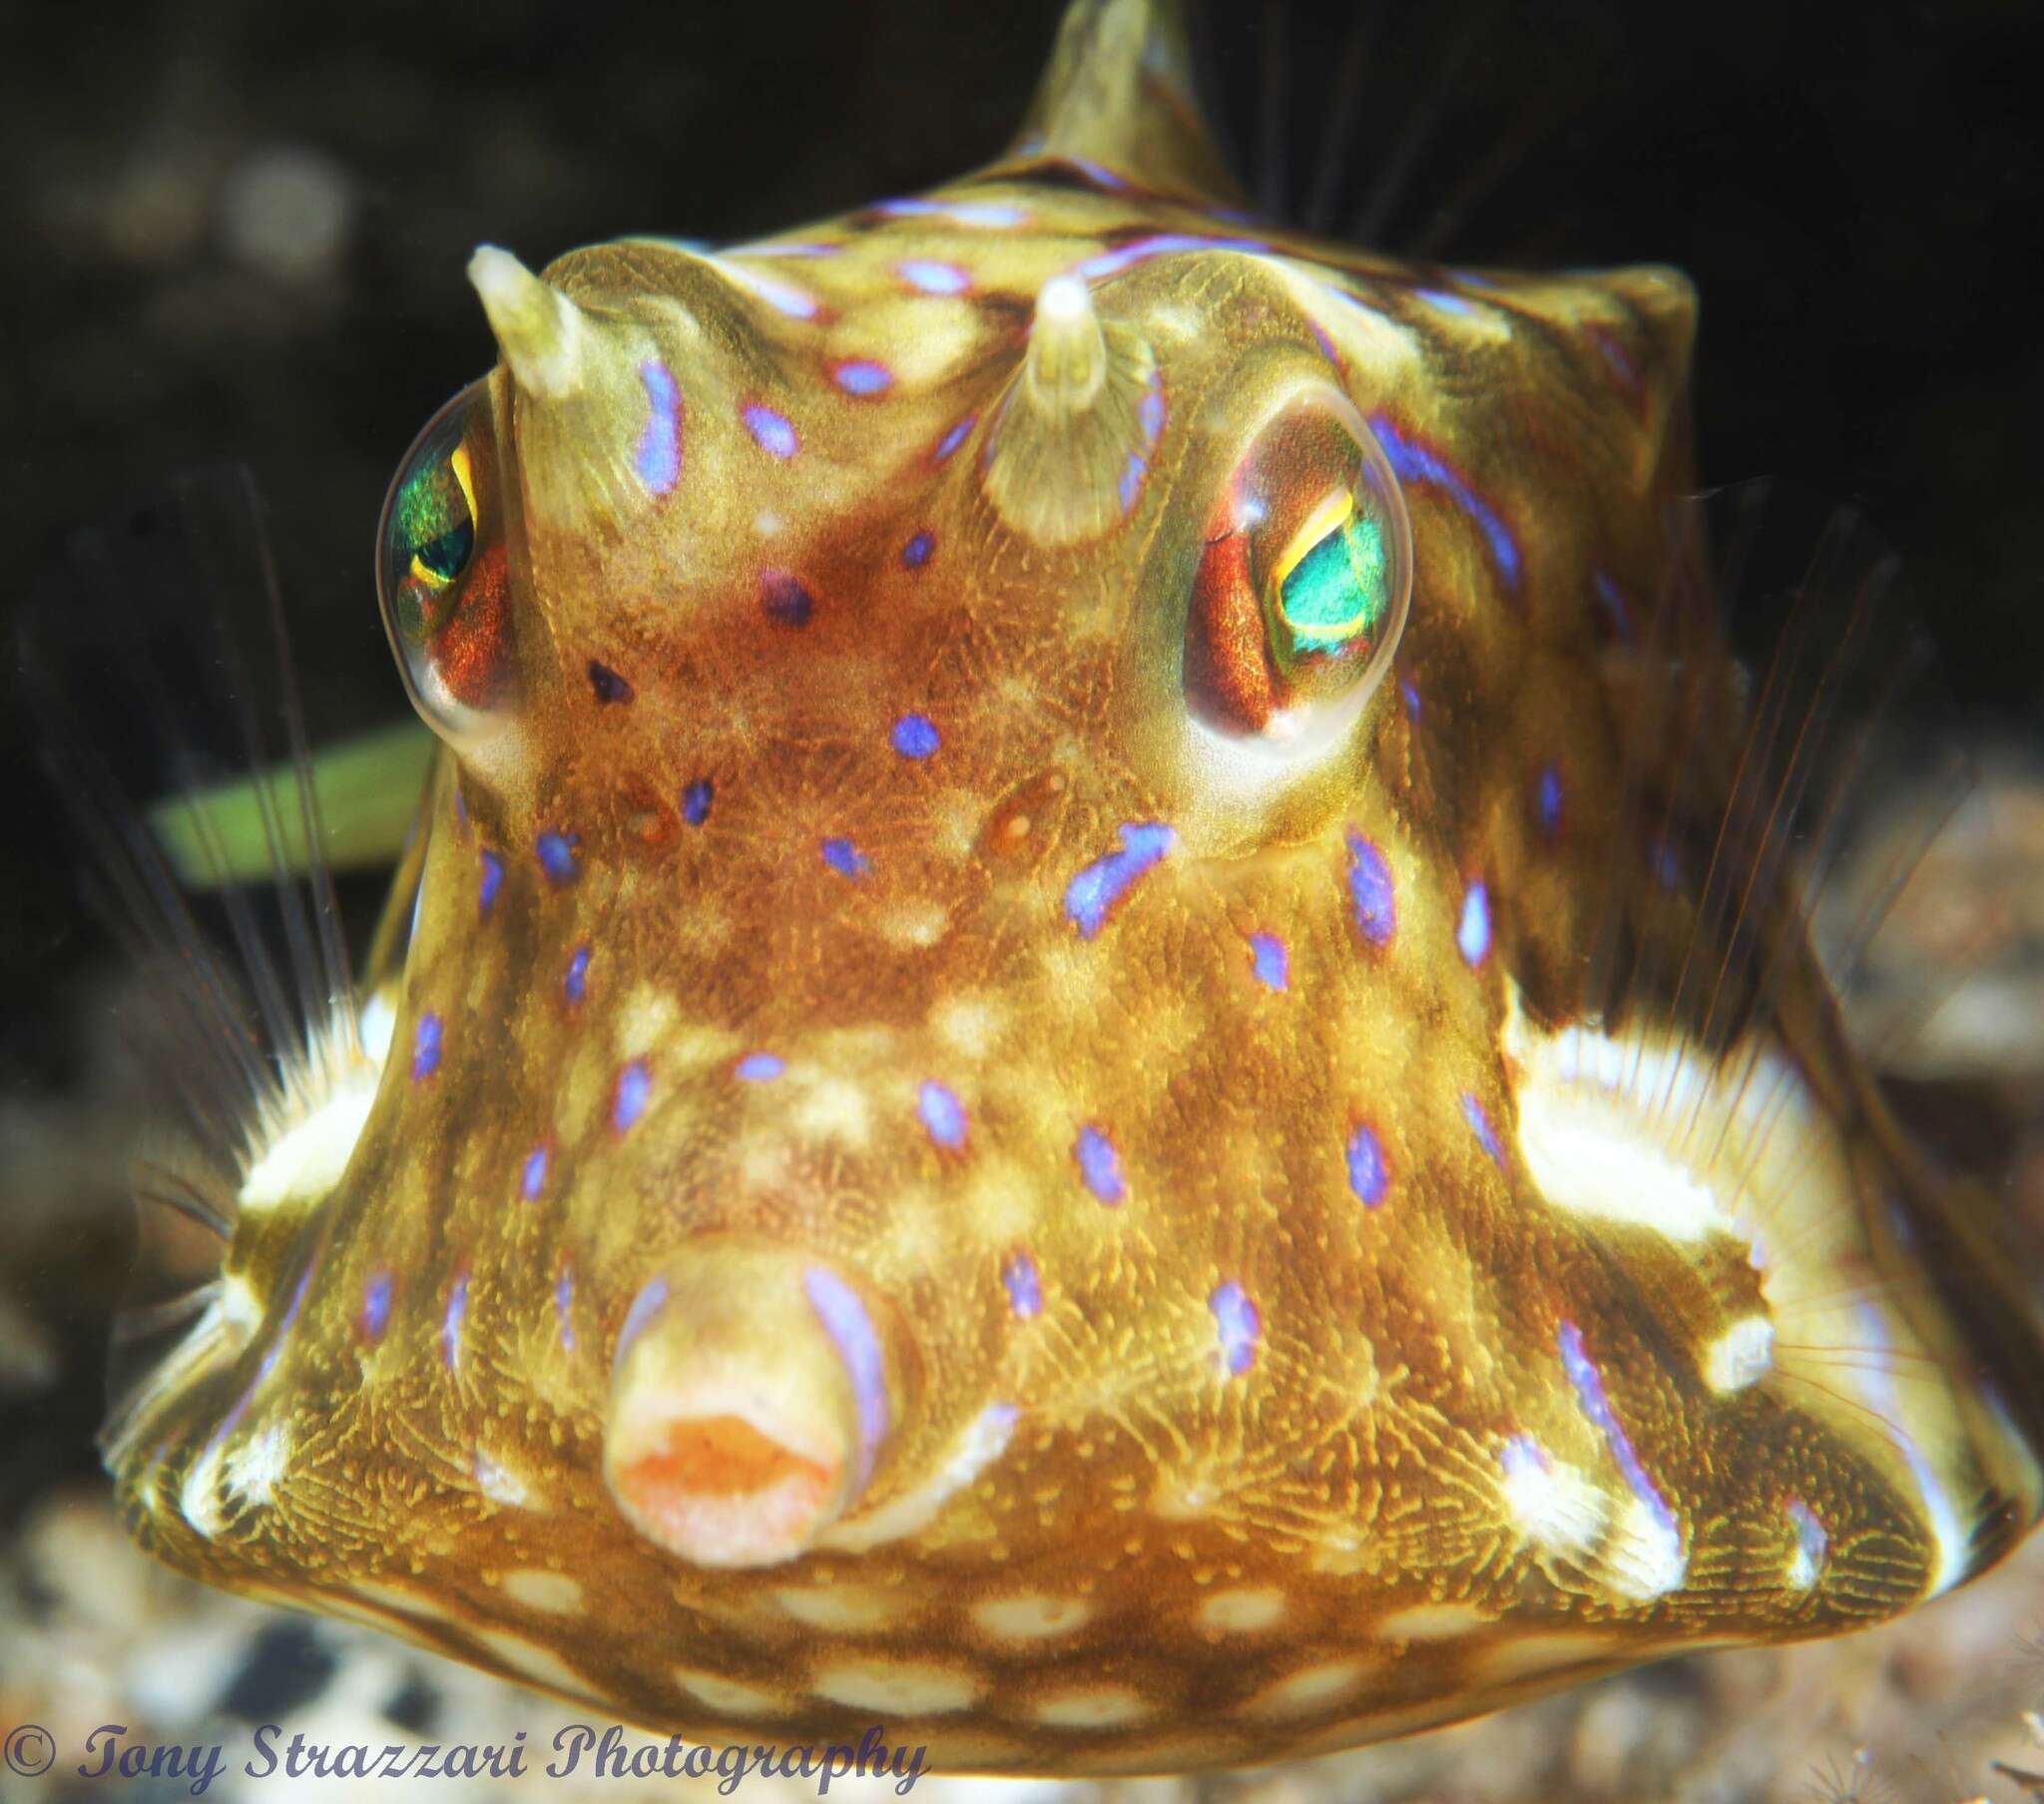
<point x="1168" y="1565"/>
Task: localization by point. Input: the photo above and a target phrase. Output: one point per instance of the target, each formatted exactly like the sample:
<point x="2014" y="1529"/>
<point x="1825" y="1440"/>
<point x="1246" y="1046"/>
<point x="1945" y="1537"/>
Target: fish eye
<point x="1304" y="582"/>
<point x="441" y="572"/>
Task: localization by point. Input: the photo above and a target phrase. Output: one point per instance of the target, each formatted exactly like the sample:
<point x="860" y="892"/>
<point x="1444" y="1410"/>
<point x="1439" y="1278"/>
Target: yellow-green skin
<point x="1088" y="1542"/>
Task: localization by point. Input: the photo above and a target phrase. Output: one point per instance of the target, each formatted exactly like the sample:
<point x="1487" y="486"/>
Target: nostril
<point x="749" y="1394"/>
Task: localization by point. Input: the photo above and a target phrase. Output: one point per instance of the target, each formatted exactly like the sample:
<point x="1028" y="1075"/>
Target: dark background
<point x="1852" y="188"/>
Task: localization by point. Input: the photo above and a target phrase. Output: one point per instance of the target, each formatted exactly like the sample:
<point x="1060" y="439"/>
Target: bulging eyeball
<point x="1304" y="582"/>
<point x="442" y="574"/>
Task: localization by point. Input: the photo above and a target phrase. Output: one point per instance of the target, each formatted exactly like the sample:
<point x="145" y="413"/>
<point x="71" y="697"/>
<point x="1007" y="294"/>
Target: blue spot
<point x="1588" y="1384"/>
<point x="645" y="1306"/>
<point x="1369" y="891"/>
<point x="1025" y="1288"/>
<point x="1665" y="863"/>
<point x="914" y="737"/>
<point x="1131" y="484"/>
<point x="1411" y="696"/>
<point x="557" y="855"/>
<point x="1811" y="1543"/>
<point x="607" y="684"/>
<point x="1239" y="1324"/>
<point x="533" y="1179"/>
<point x="376" y="1306"/>
<point x="659" y="456"/>
<point x="1271" y="962"/>
<point x="425" y="1048"/>
<point x="1098" y="174"/>
<point x="1446" y="302"/>
<point x="564" y="1303"/>
<point x="576" y="983"/>
<point x="955" y="437"/>
<point x="1100" y="1166"/>
<point x="493" y="881"/>
<point x="861" y="376"/>
<point x="1093" y="893"/>
<point x="771" y="430"/>
<point x="695" y="801"/>
<point x="845" y="858"/>
<point x="1479" y="1125"/>
<point x="1413" y="461"/>
<point x="1611" y="601"/>
<point x="450" y="1324"/>
<point x="917" y="553"/>
<point x="1368" y="1177"/>
<point x="782" y="297"/>
<point x="929" y="277"/>
<point x="759" y="1067"/>
<point x="1150" y="412"/>
<point x="634" y="1089"/>
<point x="1472" y="932"/>
<point x="1162" y="243"/>
<point x="843" y="1315"/>
<point x="1547" y="801"/>
<point x="942" y="1114"/>
<point x="784" y="599"/>
<point x="1325" y="344"/>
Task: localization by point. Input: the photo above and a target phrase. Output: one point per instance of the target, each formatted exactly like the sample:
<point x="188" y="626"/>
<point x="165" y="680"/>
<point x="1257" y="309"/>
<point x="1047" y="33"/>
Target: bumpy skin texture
<point x="1322" y="1407"/>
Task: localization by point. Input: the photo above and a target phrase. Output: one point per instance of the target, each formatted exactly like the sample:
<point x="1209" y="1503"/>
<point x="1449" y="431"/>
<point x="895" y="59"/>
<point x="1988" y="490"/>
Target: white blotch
<point x="1643" y="1557"/>
<point x="1744" y="1353"/>
<point x="841" y="1608"/>
<point x="896" y="1687"/>
<point x="1309" y="1691"/>
<point x="1555" y="1506"/>
<point x="199" y="1496"/>
<point x="300" y="1149"/>
<point x="555" y="1592"/>
<point x="1102" y="1707"/>
<point x="1030" y="1617"/>
<point x="984" y="1439"/>
<point x="832" y="1108"/>
<point x="530" y="1660"/>
<point x="1431" y="1622"/>
<point x="256" y="1461"/>
<point x="500" y="1484"/>
<point x="1243" y="1611"/>
<point x="730" y="1696"/>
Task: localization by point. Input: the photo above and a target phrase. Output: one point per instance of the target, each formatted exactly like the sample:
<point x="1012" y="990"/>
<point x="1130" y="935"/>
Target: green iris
<point x="435" y="528"/>
<point x="1338" y="590"/>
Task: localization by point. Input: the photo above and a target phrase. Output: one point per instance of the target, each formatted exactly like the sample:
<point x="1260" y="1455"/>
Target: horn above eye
<point x="1304" y="582"/>
<point x="442" y="578"/>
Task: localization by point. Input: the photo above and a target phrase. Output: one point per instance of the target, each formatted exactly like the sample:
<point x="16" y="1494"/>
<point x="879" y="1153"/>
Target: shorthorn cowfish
<point x="1101" y="1036"/>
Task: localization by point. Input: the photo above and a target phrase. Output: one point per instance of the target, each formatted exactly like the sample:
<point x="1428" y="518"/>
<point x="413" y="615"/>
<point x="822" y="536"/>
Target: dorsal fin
<point x="1117" y="92"/>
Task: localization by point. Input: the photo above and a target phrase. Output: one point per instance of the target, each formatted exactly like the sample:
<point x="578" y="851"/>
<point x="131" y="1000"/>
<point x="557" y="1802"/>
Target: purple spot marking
<point x="928" y="277"/>
<point x="955" y="437"/>
<point x="1446" y="302"/>
<point x="1131" y="484"/>
<point x="1271" y="962"/>
<point x="759" y="1067"/>
<point x="1025" y="1288"/>
<point x="1613" y="604"/>
<point x="533" y="1179"/>
<point x="1162" y="243"/>
<point x="376" y="1306"/>
<point x="1665" y="863"/>
<point x="1588" y="1384"/>
<point x="1098" y="174"/>
<point x="1094" y="892"/>
<point x="782" y="297"/>
<point x="1479" y="1125"/>
<point x="964" y="212"/>
<point x="695" y="801"/>
<point x="450" y="1323"/>
<point x="1369" y="891"/>
<point x="863" y="376"/>
<point x="1239" y="1324"/>
<point x="1472" y="932"/>
<point x="1547" y="801"/>
<point x="771" y="430"/>
<point x="943" y="1116"/>
<point x="845" y="858"/>
<point x="1811" y="1543"/>
<point x="845" y="1320"/>
<point x="645" y="1306"/>
<point x="1325" y="344"/>
<point x="1368" y="1177"/>
<point x="658" y="458"/>
<point x="607" y="684"/>
<point x="425" y="1046"/>
<point x="564" y="1303"/>
<point x="1150" y="412"/>
<point x="784" y="599"/>
<point x="1101" y="1165"/>
<point x="575" y="985"/>
<point x="1414" y="461"/>
<point x="634" y="1089"/>
<point x="493" y="881"/>
<point x="915" y="737"/>
<point x="1522" y="1456"/>
<point x="1411" y="693"/>
<point x="557" y="855"/>
<point x="917" y="553"/>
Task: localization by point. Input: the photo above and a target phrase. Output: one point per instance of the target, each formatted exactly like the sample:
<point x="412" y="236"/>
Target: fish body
<point x="1091" y="1062"/>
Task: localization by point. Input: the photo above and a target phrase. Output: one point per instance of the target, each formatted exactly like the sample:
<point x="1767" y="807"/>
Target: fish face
<point x="1007" y="1111"/>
